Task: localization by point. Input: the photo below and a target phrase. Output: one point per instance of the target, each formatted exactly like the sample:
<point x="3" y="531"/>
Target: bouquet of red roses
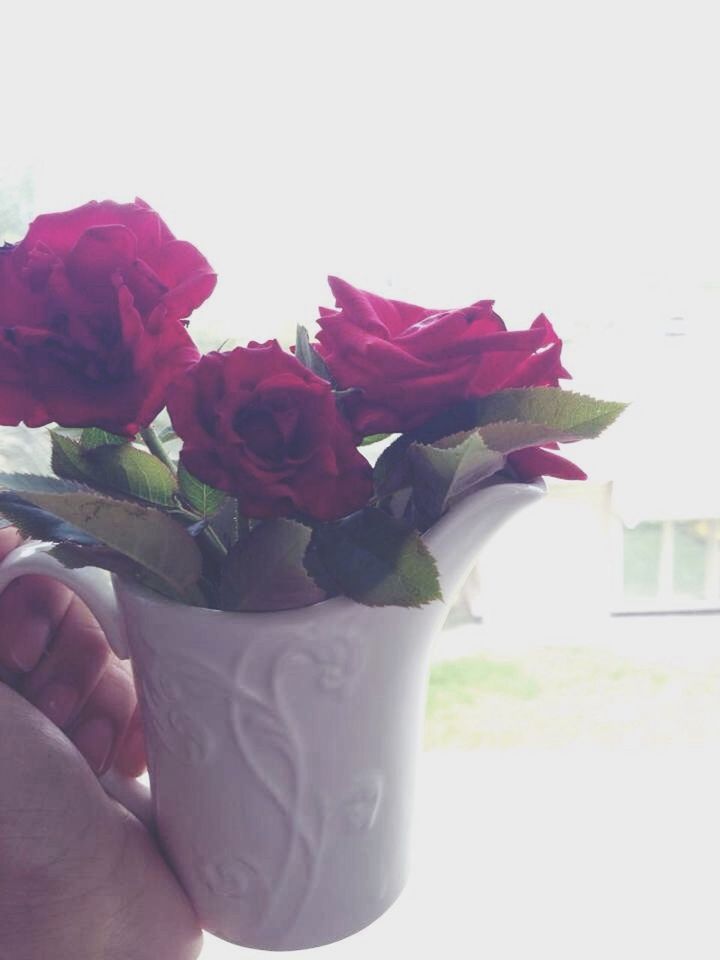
<point x="271" y="502"/>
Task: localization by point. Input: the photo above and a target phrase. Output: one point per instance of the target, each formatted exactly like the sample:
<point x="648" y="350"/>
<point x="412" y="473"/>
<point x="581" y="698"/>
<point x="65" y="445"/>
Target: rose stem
<point x="207" y="537"/>
<point x="214" y="547"/>
<point x="242" y="524"/>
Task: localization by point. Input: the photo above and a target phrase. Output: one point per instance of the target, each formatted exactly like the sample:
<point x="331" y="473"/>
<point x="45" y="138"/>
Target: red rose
<point x="262" y="427"/>
<point x="412" y="362"/>
<point x="91" y="304"/>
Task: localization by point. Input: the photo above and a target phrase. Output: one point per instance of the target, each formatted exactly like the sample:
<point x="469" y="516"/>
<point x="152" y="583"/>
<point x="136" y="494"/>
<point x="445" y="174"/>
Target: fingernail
<point x="29" y="646"/>
<point x="94" y="739"/>
<point x="58" y="702"/>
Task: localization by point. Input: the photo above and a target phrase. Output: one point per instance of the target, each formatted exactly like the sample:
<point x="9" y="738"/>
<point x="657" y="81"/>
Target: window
<point x="672" y="564"/>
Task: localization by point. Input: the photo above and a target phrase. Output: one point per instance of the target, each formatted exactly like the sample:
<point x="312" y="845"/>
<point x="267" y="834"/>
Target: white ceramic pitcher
<point x="282" y="746"/>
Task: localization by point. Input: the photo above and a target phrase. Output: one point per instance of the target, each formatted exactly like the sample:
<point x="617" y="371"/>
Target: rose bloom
<point x="413" y="362"/>
<point x="259" y="425"/>
<point x="91" y="309"/>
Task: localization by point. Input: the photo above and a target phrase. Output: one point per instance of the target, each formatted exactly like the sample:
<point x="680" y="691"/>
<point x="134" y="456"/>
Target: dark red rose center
<point x="262" y="435"/>
<point x="92" y="350"/>
<point x="269" y="428"/>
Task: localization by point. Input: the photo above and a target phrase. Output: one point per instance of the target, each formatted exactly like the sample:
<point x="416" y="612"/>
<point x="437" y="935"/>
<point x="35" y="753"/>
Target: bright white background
<point x="560" y="157"/>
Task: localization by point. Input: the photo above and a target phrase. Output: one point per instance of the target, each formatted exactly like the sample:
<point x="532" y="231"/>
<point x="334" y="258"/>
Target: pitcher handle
<point x="95" y="589"/>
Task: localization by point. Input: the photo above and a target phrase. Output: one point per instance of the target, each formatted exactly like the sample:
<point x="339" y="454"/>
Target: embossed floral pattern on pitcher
<point x="282" y="746"/>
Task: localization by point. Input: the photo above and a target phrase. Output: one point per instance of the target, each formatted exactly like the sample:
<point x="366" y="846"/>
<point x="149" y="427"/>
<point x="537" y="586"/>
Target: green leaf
<point x="266" y="572"/>
<point x="144" y="535"/>
<point x="93" y="437"/>
<point x="68" y="459"/>
<point x="31" y="520"/>
<point x="37" y="524"/>
<point x="35" y="483"/>
<point x="308" y="355"/>
<point x="398" y="504"/>
<point x="132" y="472"/>
<point x="448" y="468"/>
<point x="373" y="438"/>
<point x="204" y="500"/>
<point x="120" y="468"/>
<point x="572" y="415"/>
<point x="566" y="414"/>
<point x="76" y="557"/>
<point x="393" y="470"/>
<point x="506" y="421"/>
<point x="375" y="559"/>
<point x="510" y="435"/>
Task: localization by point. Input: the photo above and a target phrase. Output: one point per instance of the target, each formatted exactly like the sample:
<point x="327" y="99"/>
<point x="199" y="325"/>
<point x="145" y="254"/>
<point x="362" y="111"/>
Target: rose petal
<point x="534" y="462"/>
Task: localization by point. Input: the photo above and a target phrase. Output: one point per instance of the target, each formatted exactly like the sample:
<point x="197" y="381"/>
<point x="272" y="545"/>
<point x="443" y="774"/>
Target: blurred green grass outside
<point x="559" y="696"/>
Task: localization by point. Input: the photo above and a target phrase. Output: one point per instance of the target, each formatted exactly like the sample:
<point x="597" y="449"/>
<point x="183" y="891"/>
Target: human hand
<point x="53" y="652"/>
<point x="80" y="877"/>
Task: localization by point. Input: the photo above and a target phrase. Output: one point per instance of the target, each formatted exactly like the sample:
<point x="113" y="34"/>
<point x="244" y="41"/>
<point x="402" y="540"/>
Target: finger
<point x="31" y="610"/>
<point x="104" y="718"/>
<point x="130" y="758"/>
<point x="66" y="676"/>
<point x="9" y="539"/>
